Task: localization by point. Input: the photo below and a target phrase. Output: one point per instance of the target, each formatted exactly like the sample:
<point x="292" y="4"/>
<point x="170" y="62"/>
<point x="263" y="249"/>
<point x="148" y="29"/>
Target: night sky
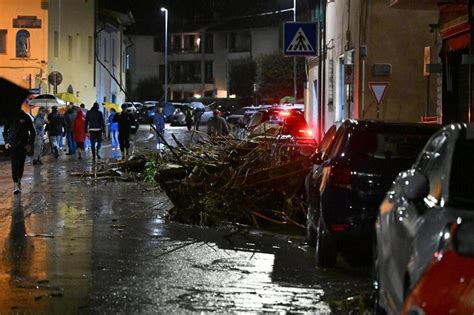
<point x="188" y="14"/>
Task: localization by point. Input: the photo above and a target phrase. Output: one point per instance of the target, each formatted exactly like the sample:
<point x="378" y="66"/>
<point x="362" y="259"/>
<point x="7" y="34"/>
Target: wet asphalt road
<point x="72" y="245"/>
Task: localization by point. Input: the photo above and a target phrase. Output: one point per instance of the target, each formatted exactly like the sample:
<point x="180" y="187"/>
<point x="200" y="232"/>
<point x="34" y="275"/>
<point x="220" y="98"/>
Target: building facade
<point x="455" y="28"/>
<point x="368" y="56"/>
<point x="144" y="60"/>
<point x="71" y="46"/>
<point x="24" y="42"/>
<point x="110" y="58"/>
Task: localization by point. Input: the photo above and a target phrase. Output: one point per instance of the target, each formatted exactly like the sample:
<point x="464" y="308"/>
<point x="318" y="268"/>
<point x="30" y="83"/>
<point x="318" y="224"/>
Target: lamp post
<point x="166" y="52"/>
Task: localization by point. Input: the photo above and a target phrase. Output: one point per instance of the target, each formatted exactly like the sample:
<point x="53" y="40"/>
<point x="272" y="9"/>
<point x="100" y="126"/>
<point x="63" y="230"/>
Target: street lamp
<point x="166" y="52"/>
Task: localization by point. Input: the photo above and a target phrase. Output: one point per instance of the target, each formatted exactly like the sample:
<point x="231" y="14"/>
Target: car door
<point x="409" y="217"/>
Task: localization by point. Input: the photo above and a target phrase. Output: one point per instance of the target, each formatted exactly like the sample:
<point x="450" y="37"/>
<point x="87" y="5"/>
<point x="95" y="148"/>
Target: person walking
<point x="197" y="117"/>
<point x="188" y="113"/>
<point x="217" y="126"/>
<point x="55" y="126"/>
<point x="124" y="122"/>
<point x="79" y="132"/>
<point x="39" y="123"/>
<point x="69" y="117"/>
<point x="113" y="129"/>
<point x="159" y="121"/>
<point x="95" y="126"/>
<point x="19" y="138"/>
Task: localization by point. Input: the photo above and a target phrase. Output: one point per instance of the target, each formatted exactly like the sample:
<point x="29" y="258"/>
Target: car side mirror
<point x="317" y="158"/>
<point x="416" y="186"/>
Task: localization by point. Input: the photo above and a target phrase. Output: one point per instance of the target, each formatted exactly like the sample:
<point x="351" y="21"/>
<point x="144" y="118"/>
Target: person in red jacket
<point x="79" y="132"/>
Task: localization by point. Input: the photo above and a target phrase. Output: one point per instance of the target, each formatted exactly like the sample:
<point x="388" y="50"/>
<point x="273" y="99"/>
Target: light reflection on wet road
<point x="71" y="245"/>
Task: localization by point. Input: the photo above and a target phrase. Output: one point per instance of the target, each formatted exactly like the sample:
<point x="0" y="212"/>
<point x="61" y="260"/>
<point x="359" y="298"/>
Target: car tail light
<point x="307" y="132"/>
<point x="341" y="176"/>
<point x="339" y="227"/>
<point x="284" y="114"/>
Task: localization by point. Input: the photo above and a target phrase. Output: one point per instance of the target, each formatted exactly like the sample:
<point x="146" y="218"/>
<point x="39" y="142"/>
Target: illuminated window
<point x="23" y="44"/>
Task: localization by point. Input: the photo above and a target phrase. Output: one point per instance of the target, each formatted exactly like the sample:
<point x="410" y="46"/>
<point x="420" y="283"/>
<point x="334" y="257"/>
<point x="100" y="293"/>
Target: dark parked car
<point x="147" y="111"/>
<point x="417" y="220"/>
<point x="349" y="180"/>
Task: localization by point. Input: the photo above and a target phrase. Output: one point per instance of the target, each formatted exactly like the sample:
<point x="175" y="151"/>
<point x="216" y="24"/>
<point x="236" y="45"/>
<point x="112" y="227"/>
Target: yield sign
<point x="378" y="89"/>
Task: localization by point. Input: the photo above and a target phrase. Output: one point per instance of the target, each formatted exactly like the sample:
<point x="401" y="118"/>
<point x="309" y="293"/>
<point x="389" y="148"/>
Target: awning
<point x="456" y="38"/>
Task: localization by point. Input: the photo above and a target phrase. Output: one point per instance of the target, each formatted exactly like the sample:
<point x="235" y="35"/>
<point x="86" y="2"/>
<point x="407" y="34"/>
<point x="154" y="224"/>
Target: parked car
<point x="280" y="122"/>
<point x="2" y="141"/>
<point x="242" y="116"/>
<point x="179" y="117"/>
<point x="418" y="210"/>
<point x="148" y="110"/>
<point x="447" y="285"/>
<point x="349" y="180"/>
<point x="133" y="107"/>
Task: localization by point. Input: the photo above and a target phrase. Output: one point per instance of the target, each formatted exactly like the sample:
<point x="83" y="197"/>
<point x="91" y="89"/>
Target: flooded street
<point x="72" y="245"/>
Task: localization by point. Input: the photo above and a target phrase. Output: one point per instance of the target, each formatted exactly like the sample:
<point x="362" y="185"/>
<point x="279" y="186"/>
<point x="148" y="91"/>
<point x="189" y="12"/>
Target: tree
<point x="275" y="77"/>
<point x="149" y="89"/>
<point x="242" y="75"/>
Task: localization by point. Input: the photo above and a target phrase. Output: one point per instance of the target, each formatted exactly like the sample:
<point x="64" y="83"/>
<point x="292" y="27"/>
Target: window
<point x="209" y="43"/>
<point x="112" y="50"/>
<point x="69" y="48"/>
<point x="106" y="57"/>
<point x="158" y="44"/>
<point x="432" y="163"/>
<point x="209" y="73"/>
<point x="3" y="41"/>
<point x="56" y="44"/>
<point x="90" y="50"/>
<point x="176" y="43"/>
<point x="78" y="47"/>
<point x="162" y="73"/>
<point x="23" y="44"/>
<point x="232" y="41"/>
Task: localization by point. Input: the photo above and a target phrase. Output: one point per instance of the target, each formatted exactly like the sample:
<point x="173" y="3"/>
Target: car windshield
<point x="462" y="175"/>
<point x="394" y="143"/>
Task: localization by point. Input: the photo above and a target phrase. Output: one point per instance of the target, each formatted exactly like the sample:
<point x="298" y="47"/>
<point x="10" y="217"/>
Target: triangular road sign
<point x="300" y="43"/>
<point x="378" y="89"/>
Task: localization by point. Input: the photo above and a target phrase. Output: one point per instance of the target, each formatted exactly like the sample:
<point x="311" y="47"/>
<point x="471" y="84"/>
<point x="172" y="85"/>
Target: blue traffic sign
<point x="300" y="39"/>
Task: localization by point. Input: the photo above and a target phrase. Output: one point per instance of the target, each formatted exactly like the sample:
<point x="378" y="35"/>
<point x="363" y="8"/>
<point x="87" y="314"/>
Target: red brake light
<point x="339" y="227"/>
<point x="307" y="132"/>
<point x="284" y="114"/>
<point x="341" y="176"/>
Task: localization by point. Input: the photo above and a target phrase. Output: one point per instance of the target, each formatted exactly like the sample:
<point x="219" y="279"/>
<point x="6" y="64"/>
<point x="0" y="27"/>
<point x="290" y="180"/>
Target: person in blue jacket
<point x="113" y="129"/>
<point x="159" y="121"/>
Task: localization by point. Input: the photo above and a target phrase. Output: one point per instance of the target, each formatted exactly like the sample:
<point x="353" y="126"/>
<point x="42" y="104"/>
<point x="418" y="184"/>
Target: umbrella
<point x="197" y="105"/>
<point x="110" y="105"/>
<point x="288" y="100"/>
<point x="168" y="109"/>
<point x="12" y="99"/>
<point x="46" y="100"/>
<point x="69" y="97"/>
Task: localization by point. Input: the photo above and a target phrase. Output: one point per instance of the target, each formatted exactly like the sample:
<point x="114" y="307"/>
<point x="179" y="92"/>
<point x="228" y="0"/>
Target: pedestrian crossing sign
<point x="300" y="39"/>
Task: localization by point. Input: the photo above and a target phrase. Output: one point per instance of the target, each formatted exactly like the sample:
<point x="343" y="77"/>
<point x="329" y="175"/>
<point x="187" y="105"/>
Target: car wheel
<point x="326" y="252"/>
<point x="311" y="232"/>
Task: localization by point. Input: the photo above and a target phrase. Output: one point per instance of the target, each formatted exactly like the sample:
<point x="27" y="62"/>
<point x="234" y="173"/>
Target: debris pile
<point x="222" y="180"/>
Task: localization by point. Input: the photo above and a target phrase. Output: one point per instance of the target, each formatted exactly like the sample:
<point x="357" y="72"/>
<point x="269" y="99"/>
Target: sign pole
<point x="295" y="91"/>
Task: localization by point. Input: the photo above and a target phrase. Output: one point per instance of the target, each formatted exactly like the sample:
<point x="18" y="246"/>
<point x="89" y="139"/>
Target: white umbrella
<point x="197" y="105"/>
<point x="46" y="100"/>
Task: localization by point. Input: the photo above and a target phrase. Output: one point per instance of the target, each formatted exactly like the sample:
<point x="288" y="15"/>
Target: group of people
<point x="24" y="136"/>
